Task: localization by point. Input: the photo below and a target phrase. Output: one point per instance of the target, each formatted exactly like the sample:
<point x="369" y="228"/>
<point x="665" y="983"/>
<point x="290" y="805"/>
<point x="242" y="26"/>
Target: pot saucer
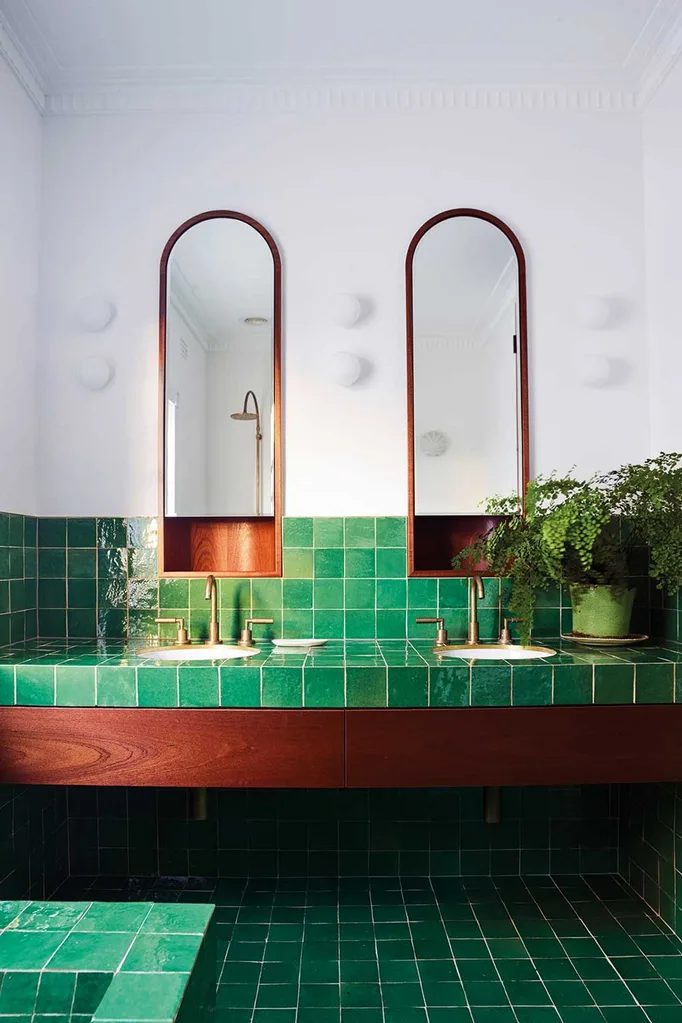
<point x="636" y="637"/>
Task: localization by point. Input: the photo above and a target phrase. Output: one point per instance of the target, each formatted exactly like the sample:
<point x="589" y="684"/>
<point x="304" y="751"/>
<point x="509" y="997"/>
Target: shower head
<point x="244" y="415"/>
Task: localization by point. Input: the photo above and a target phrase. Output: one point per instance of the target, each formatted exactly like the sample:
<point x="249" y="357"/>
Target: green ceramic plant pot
<point x="602" y="611"/>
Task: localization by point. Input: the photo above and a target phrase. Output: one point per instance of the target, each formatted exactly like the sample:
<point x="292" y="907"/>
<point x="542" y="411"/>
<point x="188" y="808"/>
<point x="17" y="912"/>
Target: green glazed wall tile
<point x="329" y="563"/>
<point x="112" y="533"/>
<point x="28" y="950"/>
<point x="298" y="563"/>
<point x="297" y="593"/>
<point x="328" y="624"/>
<point x="297" y="624"/>
<point x="267" y="592"/>
<point x="452" y="593"/>
<point x="142" y="997"/>
<point x="51" y="563"/>
<point x="654" y="683"/>
<point x="328" y="532"/>
<point x="391" y="624"/>
<point x="80" y="533"/>
<point x="297" y="532"/>
<point x="360" y="624"/>
<point x="81" y="563"/>
<point x="175" y="592"/>
<point x="360" y="563"/>
<point x="161" y="953"/>
<point x="360" y="594"/>
<point x="359" y="532"/>
<point x="328" y="594"/>
<point x="391" y="562"/>
<point x="51" y="533"/>
<point x="390" y="531"/>
<point x="392" y="593"/>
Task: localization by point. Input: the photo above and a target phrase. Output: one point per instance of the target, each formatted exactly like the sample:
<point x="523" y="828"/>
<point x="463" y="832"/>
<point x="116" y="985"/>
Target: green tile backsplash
<point x="18" y="596"/>
<point x="343" y="578"/>
<point x="33" y="840"/>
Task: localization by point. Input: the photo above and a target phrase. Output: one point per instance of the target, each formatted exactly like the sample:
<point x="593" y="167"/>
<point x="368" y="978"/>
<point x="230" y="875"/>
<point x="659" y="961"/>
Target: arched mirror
<point x="467" y="380"/>
<point x="220" y="398"/>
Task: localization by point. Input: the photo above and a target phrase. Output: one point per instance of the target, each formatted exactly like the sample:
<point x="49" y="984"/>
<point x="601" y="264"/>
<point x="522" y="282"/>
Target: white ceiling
<point x="90" y="44"/>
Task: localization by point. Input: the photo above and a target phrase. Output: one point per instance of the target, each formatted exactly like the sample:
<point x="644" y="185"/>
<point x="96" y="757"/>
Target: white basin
<point x="496" y="651"/>
<point x="199" y="652"/>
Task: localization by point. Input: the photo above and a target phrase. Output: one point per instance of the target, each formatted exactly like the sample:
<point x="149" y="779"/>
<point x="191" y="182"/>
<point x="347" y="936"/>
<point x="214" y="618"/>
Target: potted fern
<point x="582" y="534"/>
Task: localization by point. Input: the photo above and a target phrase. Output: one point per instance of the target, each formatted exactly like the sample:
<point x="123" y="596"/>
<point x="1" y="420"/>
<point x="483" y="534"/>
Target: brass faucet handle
<point x="246" y="639"/>
<point x="505" y="635"/>
<point x="182" y="638"/>
<point x="441" y="633"/>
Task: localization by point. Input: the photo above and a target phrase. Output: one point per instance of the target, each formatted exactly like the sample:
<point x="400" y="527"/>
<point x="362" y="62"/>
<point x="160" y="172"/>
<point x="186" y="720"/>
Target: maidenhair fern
<point x="581" y="532"/>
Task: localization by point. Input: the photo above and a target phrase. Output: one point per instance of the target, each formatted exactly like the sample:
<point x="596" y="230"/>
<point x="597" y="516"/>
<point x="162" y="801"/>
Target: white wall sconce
<point x="345" y="368"/>
<point x="346" y="310"/>
<point x="95" y="313"/>
<point x="595" y="312"/>
<point x="595" y="370"/>
<point x="94" y="374"/>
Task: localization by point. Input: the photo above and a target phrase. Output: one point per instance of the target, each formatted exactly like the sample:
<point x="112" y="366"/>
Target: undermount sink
<point x="199" y="652"/>
<point x="496" y="651"/>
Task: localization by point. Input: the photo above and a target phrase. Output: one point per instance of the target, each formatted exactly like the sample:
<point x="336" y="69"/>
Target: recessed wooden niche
<point x="467" y="382"/>
<point x="220" y="479"/>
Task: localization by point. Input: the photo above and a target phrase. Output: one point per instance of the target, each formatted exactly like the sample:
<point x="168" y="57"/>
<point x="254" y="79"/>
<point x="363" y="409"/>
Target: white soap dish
<point x="293" y="643"/>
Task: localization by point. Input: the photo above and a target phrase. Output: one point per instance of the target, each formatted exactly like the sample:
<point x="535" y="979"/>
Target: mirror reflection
<point x="219" y="372"/>
<point x="465" y="311"/>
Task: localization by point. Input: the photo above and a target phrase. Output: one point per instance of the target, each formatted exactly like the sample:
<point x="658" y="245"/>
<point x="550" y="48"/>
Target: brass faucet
<point x="182" y="638"/>
<point x="212" y="595"/>
<point x="246" y="639"/>
<point x="441" y="632"/>
<point x="476" y="593"/>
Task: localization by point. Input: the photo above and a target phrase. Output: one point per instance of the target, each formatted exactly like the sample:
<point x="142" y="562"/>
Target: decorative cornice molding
<point x="352" y="98"/>
<point x="18" y="63"/>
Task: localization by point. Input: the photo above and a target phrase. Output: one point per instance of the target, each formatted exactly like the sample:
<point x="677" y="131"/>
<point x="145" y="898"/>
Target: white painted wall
<point x="20" y="146"/>
<point x="343" y="192"/>
<point x="662" y="135"/>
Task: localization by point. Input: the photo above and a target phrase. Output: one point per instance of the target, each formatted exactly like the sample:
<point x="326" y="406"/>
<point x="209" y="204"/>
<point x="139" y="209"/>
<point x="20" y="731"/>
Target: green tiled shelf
<point x="84" y="961"/>
<point x="354" y="673"/>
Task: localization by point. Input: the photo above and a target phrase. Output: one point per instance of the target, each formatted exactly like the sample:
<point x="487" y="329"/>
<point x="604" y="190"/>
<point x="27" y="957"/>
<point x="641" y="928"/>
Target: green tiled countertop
<point x="374" y="673"/>
<point x="96" y="961"/>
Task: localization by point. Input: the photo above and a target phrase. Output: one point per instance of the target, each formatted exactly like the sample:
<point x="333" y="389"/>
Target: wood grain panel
<point x="130" y="746"/>
<point x="232" y="547"/>
<point x="513" y="746"/>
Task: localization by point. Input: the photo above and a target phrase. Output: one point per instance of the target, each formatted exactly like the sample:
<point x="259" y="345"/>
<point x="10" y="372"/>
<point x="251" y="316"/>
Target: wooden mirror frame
<point x="228" y="546"/>
<point x="432" y="537"/>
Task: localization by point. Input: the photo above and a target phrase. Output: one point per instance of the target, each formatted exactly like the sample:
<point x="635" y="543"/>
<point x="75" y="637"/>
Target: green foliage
<point x="582" y="532"/>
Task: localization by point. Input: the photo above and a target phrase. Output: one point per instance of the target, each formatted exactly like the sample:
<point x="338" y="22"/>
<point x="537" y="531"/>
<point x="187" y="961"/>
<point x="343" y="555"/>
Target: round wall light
<point x="94" y="374"/>
<point x="95" y="313"/>
<point x="345" y="369"/>
<point x="346" y="310"/>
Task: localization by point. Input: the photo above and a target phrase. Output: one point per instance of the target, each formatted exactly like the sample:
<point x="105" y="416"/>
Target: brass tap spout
<point x="476" y="593"/>
<point x="212" y="595"/>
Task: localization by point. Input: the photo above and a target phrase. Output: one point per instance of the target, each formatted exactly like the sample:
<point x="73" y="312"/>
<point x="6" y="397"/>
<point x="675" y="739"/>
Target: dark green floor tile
<point x="624" y="1014"/>
<point x="449" y="1016"/>
<point x="360" y="995"/>
<point x="653" y="992"/>
<point x="492" y="1014"/>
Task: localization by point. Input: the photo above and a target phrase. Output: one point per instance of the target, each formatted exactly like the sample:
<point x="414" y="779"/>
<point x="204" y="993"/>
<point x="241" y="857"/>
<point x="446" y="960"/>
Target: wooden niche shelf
<point x="233" y="547"/>
<point x="243" y="545"/>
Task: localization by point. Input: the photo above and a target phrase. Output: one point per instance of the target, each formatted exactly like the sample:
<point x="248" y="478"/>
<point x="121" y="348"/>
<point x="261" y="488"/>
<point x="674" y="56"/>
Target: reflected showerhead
<point x="244" y="415"/>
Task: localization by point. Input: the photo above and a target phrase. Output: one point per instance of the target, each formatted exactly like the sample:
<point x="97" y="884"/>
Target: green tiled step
<point x="70" y="960"/>
<point x="385" y="673"/>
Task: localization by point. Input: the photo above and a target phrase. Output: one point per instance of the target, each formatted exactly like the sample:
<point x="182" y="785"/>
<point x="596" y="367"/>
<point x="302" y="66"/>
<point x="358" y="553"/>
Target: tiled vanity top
<point x="382" y="673"/>
<point x="95" y="961"/>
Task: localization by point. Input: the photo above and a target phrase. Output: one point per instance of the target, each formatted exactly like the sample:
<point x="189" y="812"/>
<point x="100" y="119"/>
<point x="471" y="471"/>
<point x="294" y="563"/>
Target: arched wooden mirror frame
<point x="432" y="540"/>
<point x="231" y="546"/>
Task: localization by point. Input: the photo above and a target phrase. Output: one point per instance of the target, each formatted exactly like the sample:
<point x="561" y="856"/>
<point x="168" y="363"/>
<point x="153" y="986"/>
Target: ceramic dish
<point x="292" y="643"/>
